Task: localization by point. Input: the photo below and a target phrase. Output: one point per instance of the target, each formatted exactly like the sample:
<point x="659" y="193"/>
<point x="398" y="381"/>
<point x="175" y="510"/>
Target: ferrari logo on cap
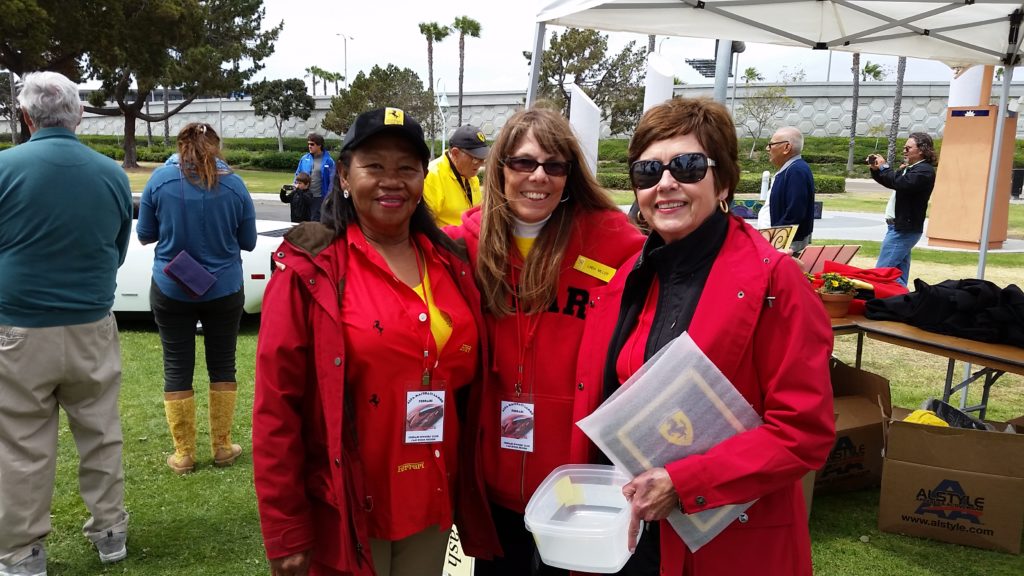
<point x="480" y="137"/>
<point x="393" y="116"/>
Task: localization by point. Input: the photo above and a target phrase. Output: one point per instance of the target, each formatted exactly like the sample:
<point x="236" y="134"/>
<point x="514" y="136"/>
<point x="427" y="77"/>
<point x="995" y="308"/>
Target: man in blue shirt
<point x="321" y="169"/>
<point x="65" y="220"/>
<point x="791" y="200"/>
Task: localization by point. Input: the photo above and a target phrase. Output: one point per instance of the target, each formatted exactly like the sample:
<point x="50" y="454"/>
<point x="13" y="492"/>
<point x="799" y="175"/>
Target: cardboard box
<point x="954" y="485"/>
<point x="855" y="462"/>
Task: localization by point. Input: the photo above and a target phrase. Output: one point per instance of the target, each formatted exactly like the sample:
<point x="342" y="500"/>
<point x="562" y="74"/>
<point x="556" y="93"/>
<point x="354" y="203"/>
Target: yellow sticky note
<point x="567" y="493"/>
<point x="594" y="268"/>
<point x="394" y="116"/>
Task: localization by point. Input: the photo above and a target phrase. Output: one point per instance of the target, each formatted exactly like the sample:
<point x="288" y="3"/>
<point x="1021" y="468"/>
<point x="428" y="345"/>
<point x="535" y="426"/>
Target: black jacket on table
<point x="913" y="186"/>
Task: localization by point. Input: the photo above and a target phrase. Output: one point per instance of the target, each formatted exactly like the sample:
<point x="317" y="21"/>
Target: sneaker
<point x="31" y="565"/>
<point x="112" y="547"/>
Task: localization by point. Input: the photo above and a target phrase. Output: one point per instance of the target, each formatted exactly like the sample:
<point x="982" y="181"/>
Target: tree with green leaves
<point x="855" y="68"/>
<point x="281" y="100"/>
<point x="751" y="75"/>
<point x="872" y="71"/>
<point x="200" y="48"/>
<point x="465" y="26"/>
<point x="433" y="32"/>
<point x="390" y="86"/>
<point x="614" y="83"/>
<point x="759" y="109"/>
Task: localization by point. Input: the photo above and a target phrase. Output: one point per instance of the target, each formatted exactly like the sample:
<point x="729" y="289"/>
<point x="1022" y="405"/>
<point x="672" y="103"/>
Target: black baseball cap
<point x="369" y="124"/>
<point x="470" y="139"/>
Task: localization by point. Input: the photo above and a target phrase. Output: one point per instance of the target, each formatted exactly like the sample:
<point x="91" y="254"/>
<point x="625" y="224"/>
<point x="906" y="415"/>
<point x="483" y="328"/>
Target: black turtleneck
<point x="682" y="268"/>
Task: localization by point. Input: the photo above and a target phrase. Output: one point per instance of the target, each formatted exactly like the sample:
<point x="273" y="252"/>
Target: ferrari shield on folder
<point x="677" y="405"/>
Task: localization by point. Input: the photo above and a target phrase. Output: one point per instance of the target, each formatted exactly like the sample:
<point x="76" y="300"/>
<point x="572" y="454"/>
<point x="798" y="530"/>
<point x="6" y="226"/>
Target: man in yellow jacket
<point x="452" y="186"/>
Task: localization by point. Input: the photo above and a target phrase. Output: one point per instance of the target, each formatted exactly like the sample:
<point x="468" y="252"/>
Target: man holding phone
<point x="912" y="185"/>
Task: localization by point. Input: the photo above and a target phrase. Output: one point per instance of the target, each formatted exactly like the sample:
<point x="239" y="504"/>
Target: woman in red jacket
<point x="545" y="243"/>
<point x="370" y="332"/>
<point x="751" y="311"/>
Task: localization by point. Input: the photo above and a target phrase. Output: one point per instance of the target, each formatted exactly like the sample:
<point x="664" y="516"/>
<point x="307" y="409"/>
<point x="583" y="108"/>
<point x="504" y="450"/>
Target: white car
<point x="135" y="275"/>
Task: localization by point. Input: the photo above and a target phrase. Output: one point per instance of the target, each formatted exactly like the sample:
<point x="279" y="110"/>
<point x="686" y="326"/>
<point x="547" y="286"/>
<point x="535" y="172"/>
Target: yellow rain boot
<point x="222" y="415"/>
<point x="180" y="408"/>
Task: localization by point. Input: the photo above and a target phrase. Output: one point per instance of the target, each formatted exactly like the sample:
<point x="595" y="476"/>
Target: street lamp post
<point x="345" y="38"/>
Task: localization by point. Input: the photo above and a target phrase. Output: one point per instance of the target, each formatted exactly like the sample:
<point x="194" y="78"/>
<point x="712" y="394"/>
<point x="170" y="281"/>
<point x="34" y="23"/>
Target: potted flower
<point x="836" y="292"/>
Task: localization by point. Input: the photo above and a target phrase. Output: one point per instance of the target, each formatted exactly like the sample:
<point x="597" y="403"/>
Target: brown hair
<point x="303" y="177"/>
<point x="582" y="193"/>
<point x="198" y="152"/>
<point x="316" y="139"/>
<point x="925" y="145"/>
<point x="708" y="121"/>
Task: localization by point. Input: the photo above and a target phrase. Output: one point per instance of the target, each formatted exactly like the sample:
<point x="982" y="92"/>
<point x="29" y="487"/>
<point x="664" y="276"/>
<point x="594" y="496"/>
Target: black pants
<point x="314" y="208"/>
<point x="176" y="320"/>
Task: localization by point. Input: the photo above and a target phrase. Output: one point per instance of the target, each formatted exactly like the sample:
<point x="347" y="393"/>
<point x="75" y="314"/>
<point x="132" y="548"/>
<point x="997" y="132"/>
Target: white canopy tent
<point x="960" y="33"/>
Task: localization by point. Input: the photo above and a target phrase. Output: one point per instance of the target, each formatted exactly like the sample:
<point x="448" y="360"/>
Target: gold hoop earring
<point x="723" y="206"/>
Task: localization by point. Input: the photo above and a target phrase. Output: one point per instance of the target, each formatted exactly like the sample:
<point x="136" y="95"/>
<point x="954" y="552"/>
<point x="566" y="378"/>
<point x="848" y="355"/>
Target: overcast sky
<point x="387" y="31"/>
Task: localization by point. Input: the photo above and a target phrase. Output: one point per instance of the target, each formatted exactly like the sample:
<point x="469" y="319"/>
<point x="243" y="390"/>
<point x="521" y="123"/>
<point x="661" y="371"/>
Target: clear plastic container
<point x="579" y="518"/>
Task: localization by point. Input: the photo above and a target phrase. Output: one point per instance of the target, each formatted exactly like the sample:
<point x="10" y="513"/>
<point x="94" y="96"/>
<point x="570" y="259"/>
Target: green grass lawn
<point x="206" y="523"/>
<point x="257" y="181"/>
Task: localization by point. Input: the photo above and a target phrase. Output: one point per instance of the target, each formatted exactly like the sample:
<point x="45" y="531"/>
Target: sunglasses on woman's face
<point x="528" y="165"/>
<point x="686" y="168"/>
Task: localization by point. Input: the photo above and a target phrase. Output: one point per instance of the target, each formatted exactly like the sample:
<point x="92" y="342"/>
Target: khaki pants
<point x="77" y="368"/>
<point x="421" y="553"/>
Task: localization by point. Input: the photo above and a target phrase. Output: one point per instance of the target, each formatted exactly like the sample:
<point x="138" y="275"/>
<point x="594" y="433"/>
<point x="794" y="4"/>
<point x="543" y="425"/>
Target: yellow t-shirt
<point x="445" y="195"/>
<point x="440" y="323"/>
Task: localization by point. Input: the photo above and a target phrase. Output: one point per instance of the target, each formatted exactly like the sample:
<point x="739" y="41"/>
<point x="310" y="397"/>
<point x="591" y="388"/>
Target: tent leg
<point x="993" y="170"/>
<point x="538" y="54"/>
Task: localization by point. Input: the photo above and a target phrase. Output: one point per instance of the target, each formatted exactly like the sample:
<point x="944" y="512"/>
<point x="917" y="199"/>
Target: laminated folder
<point x="815" y="256"/>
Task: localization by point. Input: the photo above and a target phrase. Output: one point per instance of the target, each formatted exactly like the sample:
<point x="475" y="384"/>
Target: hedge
<point x="274" y="160"/>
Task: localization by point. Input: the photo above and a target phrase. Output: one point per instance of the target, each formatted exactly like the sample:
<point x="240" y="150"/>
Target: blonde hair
<point x="198" y="152"/>
<point x="539" y="280"/>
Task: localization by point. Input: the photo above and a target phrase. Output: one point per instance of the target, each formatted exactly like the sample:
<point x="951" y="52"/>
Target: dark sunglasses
<point x="686" y="169"/>
<point x="528" y="165"/>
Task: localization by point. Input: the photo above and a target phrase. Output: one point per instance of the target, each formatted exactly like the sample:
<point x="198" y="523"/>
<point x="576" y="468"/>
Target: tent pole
<point x="538" y="53"/>
<point x="723" y="60"/>
<point x="993" y="170"/>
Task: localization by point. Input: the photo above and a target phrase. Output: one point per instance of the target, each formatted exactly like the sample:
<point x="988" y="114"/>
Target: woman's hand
<point x="651" y="496"/>
<point x="295" y="565"/>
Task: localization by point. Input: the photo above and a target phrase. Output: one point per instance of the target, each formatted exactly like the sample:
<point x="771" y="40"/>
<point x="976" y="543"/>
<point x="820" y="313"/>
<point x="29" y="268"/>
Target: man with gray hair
<point x="791" y="200"/>
<point x="65" y="220"/>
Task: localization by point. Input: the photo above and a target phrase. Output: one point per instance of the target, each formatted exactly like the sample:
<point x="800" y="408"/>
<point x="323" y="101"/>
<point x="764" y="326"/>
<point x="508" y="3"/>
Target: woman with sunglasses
<point x="746" y="305"/>
<point x="545" y="243"/>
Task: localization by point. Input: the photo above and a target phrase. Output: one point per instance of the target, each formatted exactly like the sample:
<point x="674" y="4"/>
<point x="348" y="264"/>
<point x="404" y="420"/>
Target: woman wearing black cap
<point x="369" y="335"/>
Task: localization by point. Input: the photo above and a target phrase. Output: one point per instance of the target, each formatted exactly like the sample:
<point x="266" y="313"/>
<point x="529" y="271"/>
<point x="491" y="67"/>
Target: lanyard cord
<point x="531" y="327"/>
<point x="425" y="380"/>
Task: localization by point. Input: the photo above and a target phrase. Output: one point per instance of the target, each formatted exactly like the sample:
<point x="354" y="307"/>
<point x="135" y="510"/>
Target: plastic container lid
<point x="580" y="519"/>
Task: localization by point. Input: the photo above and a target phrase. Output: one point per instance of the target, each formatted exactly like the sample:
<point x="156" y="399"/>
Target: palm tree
<point x="466" y="26"/>
<point x="855" y="68"/>
<point x="751" y="75"/>
<point x="894" y="129"/>
<point x="434" y="32"/>
<point x="311" y="71"/>
<point x="872" y="71"/>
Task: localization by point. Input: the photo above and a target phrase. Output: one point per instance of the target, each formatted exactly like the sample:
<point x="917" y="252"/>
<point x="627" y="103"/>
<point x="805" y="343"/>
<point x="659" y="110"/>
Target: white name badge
<point x="516" y="425"/>
<point x="424" y="417"/>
